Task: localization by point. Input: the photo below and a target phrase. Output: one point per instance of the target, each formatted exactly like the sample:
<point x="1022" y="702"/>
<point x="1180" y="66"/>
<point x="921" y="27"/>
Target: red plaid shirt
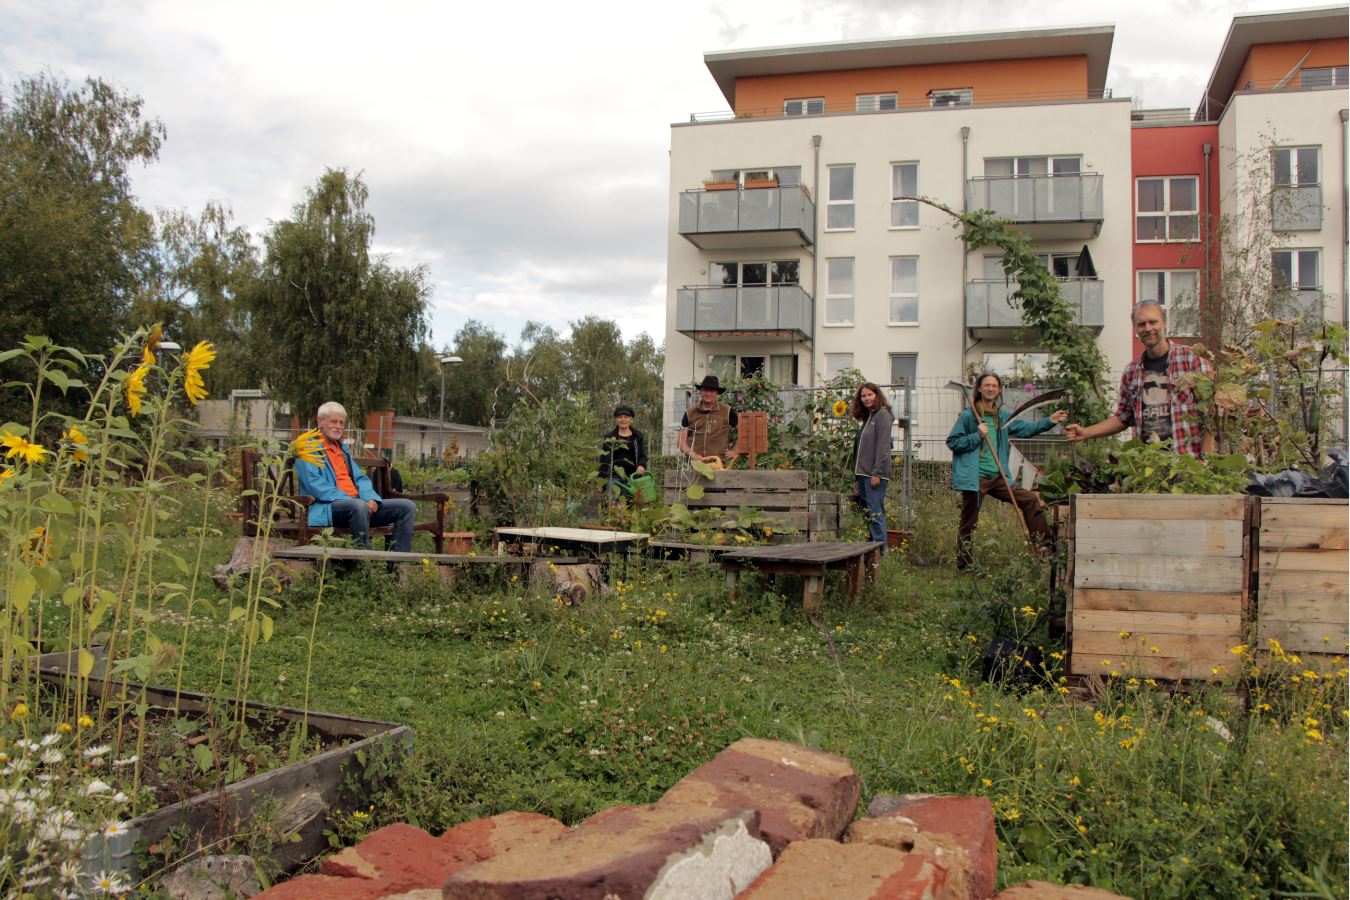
<point x="1186" y="430"/>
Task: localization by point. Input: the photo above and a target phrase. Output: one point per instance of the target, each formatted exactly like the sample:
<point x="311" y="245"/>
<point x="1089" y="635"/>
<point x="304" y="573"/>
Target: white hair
<point x="332" y="407"/>
<point x="1134" y="313"/>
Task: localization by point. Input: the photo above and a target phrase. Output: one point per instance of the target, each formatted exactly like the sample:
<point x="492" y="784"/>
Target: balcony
<point x="1296" y="208"/>
<point x="748" y="217"/>
<point x="779" y="311"/>
<point x="1292" y="302"/>
<point x="1044" y="207"/>
<point x="990" y="312"/>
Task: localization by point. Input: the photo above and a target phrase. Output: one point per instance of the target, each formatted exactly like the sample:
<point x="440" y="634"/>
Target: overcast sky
<point x="518" y="150"/>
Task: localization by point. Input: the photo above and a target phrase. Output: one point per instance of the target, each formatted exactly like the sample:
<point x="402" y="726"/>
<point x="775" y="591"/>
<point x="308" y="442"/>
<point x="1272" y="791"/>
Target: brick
<point x="799" y="792"/>
<point x="1044" y="890"/>
<point x="965" y="823"/>
<point x="324" y="887"/>
<point x="658" y="852"/>
<point x="482" y="839"/>
<point x="812" y="869"/>
<point x="899" y="833"/>
<point x="395" y="853"/>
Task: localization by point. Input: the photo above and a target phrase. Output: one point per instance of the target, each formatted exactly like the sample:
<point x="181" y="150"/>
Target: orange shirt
<point x="338" y="462"/>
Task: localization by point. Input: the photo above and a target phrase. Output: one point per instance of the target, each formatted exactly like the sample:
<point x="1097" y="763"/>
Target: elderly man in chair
<point x="342" y="492"/>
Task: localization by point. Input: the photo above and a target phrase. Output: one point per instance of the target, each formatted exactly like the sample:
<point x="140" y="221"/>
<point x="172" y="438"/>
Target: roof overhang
<point x="1092" y="41"/>
<point x="1312" y="24"/>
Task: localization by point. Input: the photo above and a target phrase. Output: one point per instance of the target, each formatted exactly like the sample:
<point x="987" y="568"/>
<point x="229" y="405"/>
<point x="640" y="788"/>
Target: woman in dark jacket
<point x="872" y="457"/>
<point x="975" y="472"/>
<point x="623" y="453"/>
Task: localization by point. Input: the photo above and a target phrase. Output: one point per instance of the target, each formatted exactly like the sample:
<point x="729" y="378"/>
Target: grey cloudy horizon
<point x="519" y="151"/>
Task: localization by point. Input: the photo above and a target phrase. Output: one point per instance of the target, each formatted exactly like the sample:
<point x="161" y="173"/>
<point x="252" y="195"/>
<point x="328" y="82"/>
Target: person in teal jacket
<point x="976" y="475"/>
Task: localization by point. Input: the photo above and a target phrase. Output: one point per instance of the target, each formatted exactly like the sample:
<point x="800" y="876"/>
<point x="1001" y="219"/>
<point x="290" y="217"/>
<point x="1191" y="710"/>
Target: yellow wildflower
<point x="151" y="345"/>
<point x="309" y="447"/>
<point x="85" y="722"/>
<point x="6" y="475"/>
<point x="20" y="712"/>
<point x="21" y="447"/>
<point x="136" y="389"/>
<point x="198" y="358"/>
<point x="65" y="728"/>
<point x="840" y="407"/>
<point x="77" y="439"/>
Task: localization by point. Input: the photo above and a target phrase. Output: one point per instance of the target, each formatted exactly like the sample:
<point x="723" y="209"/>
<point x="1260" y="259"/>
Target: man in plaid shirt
<point x="1150" y="396"/>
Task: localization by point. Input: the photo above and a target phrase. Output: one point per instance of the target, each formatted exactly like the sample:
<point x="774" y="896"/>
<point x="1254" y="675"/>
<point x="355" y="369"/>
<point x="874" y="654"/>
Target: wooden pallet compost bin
<point x="1302" y="589"/>
<point x="1158" y="584"/>
<point x="781" y="494"/>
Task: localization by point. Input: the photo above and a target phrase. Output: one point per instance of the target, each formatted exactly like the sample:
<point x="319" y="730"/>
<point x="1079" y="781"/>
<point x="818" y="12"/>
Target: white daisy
<point x="114" y="829"/>
<point x="95" y="752"/>
<point x="97" y="787"/>
<point x="52" y="756"/>
<point x="129" y="761"/>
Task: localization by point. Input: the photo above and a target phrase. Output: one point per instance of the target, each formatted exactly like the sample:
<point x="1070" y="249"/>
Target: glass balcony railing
<point x="748" y="217"/>
<point x="1055" y="205"/>
<point x="1296" y="207"/>
<point x="989" y="303"/>
<point x="772" y="310"/>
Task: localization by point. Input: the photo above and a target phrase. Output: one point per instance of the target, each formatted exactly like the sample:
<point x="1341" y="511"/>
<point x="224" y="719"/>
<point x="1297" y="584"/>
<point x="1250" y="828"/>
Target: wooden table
<point x="590" y="541"/>
<point x="691" y="552"/>
<point x="314" y="553"/>
<point x="811" y="561"/>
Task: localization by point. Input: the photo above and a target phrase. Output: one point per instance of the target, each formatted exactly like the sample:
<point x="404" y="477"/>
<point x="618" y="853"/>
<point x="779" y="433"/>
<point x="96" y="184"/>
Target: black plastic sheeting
<point x="1330" y="481"/>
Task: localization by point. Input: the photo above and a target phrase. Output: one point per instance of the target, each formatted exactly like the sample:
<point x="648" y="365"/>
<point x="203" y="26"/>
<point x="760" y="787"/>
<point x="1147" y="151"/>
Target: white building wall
<point x="1098" y="131"/>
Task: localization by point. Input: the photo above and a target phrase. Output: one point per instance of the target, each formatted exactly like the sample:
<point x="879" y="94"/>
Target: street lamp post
<point x="445" y="361"/>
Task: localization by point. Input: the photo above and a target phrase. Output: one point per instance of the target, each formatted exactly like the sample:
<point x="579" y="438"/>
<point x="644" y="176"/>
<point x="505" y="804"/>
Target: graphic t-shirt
<point x="1156" y="424"/>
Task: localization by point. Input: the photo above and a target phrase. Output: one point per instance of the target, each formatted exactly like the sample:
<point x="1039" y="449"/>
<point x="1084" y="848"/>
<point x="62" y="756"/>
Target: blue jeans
<point x="874" y="508"/>
<point x="354" y="515"/>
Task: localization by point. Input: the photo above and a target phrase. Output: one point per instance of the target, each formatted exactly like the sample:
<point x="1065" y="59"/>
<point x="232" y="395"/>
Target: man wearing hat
<point x="624" y="451"/>
<point x="706" y="427"/>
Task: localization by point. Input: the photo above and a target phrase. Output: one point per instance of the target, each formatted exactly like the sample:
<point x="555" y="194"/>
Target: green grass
<point x="519" y="702"/>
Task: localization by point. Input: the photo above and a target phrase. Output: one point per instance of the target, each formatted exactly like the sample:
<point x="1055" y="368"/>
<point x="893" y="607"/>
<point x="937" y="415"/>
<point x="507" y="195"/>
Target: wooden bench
<point x="290" y="516"/>
<point x="809" y="560"/>
<point x="784" y="496"/>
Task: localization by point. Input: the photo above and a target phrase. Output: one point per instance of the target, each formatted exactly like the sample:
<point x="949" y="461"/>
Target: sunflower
<point x="78" y="440"/>
<point x="17" y="446"/>
<point x="6" y="475"/>
<point x="136" y="388"/>
<point x="840" y="407"/>
<point x="198" y="358"/>
<point x="151" y="345"/>
<point x="309" y="447"/>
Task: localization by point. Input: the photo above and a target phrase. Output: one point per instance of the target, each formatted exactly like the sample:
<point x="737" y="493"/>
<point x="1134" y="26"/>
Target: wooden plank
<point x="1307" y="525"/>
<point x="1153" y="667"/>
<point x="1301" y="581"/>
<point x="761" y="499"/>
<point x="1157" y="601"/>
<point x="1303" y="637"/>
<point x="1162" y="537"/>
<point x="785" y="479"/>
<point x="1176" y="646"/>
<point x="1158" y="506"/>
<point x="1302" y="561"/>
<point x="1145" y="572"/>
<point x="1147" y="624"/>
<point x="1300" y="606"/>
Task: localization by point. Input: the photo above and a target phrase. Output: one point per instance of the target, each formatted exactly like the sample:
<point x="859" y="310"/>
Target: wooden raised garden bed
<point x="1302" y="590"/>
<point x="296" y="798"/>
<point x="1158" y="585"/>
<point x="783" y="495"/>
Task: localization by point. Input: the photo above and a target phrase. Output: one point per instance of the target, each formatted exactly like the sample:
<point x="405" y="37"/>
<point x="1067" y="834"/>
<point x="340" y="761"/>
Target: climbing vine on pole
<point x="1076" y="361"/>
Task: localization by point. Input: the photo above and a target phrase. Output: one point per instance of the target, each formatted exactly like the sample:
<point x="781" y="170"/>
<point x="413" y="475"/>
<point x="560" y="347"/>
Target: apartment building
<point x="1278" y="96"/>
<point x="795" y="250"/>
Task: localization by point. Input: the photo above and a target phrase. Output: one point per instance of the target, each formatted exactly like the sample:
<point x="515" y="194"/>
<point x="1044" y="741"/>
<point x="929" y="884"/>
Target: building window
<point x="723" y="365"/>
<point x="754" y="274"/>
<point x="836" y="363"/>
<point x="839" y="292"/>
<point x="1179" y="293"/>
<point x="875" y="102"/>
<point x="783" y="369"/>
<point x="1298" y="270"/>
<point x="951" y="97"/>
<point x="1019" y="371"/>
<point x="1166" y="209"/>
<point x="904" y="290"/>
<point x="904" y="183"/>
<point x="839" y="210"/>
<point x="1297" y="166"/>
<point x="904" y="371"/>
<point x="812" y="106"/>
<point x="1327" y="76"/>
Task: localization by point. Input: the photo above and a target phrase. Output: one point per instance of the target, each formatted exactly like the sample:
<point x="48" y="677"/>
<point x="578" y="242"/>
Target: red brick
<point x="968" y="821"/>
<point x="324" y="887"/>
<point x="899" y="833"/>
<point x="664" y="850"/>
<point x="1044" y="890"/>
<point x="799" y="792"/>
<point x="483" y="839"/>
<point x="814" y="869"/>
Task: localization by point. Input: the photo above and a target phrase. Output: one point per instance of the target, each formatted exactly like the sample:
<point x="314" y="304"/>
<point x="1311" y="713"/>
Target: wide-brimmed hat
<point x="623" y="409"/>
<point x="710" y="383"/>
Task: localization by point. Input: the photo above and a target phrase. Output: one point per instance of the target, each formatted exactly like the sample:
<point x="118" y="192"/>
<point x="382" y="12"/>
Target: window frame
<point x="1167" y="213"/>
<point x="897" y="205"/>
<point x="805" y="109"/>
<point x="850" y="296"/>
<point x="1169" y="297"/>
<point x="1339" y="76"/>
<point x="825" y="363"/>
<point x="851" y="203"/>
<point x="893" y="295"/>
<point x="898" y="403"/>
<point x="1294" y="168"/>
<point x="878" y="102"/>
<point x="963" y="96"/>
<point x="1296" y="267"/>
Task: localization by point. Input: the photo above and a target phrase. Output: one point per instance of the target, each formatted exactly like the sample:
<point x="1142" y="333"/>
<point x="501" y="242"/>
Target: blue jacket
<point x="320" y="483"/>
<point x="964" y="441"/>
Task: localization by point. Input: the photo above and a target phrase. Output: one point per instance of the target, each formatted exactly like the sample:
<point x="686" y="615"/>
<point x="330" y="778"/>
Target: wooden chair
<point x="290" y="516"/>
